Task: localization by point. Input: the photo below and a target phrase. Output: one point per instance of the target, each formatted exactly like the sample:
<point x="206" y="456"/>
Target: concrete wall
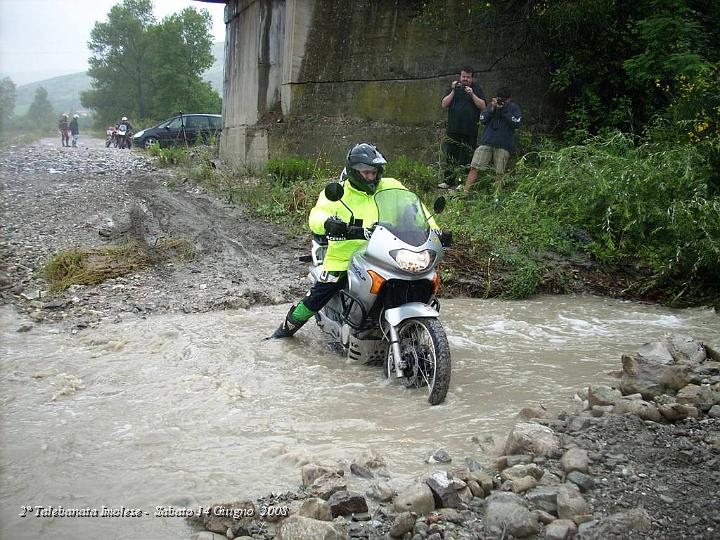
<point x="315" y="76"/>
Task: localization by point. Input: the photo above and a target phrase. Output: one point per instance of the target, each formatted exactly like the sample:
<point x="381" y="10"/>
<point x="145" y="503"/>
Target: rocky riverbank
<point x="638" y="460"/>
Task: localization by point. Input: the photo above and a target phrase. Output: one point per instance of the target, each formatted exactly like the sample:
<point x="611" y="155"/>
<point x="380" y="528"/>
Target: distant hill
<point x="64" y="91"/>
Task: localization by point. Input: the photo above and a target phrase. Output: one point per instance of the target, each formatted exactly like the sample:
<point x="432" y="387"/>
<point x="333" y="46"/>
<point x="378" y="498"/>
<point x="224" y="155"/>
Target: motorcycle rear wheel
<point x="426" y="352"/>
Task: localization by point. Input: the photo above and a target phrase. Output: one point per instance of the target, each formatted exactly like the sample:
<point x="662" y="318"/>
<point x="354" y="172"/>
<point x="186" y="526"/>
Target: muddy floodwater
<point x="180" y="410"/>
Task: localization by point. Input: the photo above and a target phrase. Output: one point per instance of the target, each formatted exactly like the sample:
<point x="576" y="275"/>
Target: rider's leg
<point x="319" y="295"/>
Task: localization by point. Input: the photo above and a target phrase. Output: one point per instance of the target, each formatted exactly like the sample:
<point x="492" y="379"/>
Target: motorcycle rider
<point x="361" y="179"/>
<point x="124" y="123"/>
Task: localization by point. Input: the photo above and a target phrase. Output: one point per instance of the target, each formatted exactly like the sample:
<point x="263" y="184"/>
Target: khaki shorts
<point x="483" y="154"/>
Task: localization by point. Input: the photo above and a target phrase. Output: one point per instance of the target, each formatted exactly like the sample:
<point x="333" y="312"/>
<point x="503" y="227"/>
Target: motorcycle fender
<point x="408" y="311"/>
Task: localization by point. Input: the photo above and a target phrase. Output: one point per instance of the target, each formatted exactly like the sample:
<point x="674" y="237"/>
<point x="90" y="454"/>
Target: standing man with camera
<point x="501" y="118"/>
<point x="464" y="103"/>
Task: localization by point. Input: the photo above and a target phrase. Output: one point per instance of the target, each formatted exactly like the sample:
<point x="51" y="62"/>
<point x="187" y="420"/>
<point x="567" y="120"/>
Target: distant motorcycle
<point x="123" y="137"/>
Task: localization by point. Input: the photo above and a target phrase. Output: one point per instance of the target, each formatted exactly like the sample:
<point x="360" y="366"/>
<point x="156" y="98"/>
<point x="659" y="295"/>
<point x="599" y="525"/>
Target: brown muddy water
<point x="187" y="410"/>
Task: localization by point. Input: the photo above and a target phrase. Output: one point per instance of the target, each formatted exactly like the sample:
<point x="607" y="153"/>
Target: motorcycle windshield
<point x="401" y="212"/>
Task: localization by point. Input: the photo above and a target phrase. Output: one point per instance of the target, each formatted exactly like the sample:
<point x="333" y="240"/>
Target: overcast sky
<point x="40" y="39"/>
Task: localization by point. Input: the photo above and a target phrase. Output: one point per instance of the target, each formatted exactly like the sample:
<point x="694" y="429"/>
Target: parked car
<point x="181" y="129"/>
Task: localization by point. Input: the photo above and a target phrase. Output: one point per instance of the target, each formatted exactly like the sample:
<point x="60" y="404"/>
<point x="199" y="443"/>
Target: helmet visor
<point x="363" y="167"/>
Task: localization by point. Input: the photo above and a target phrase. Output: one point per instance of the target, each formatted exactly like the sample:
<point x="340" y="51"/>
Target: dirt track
<point x="56" y="198"/>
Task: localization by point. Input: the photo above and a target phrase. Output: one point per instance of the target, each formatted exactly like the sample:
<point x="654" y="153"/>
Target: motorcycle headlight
<point x="411" y="261"/>
<point x="139" y="133"/>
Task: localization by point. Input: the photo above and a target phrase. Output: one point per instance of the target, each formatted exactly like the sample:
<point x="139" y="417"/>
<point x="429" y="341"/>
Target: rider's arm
<point x="322" y="210"/>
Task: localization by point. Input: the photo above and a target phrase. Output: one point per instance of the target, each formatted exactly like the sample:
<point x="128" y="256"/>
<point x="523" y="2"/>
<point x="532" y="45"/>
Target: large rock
<point x="303" y="528"/>
<point x="446" y="490"/>
<point x="702" y="397"/>
<point x="570" y="503"/>
<point x="417" y="498"/>
<point x="603" y="395"/>
<point x="528" y="437"/>
<point x="313" y="471"/>
<point x="316" y="508"/>
<point x="328" y="484"/>
<point x="380" y="491"/>
<point x="543" y="498"/>
<point x="369" y="459"/>
<point x="561" y="529"/>
<point x="638" y="407"/>
<point x="344" y="503"/>
<point x="662" y="367"/>
<point x="220" y="517"/>
<point x="507" y="514"/>
<point x="520" y="471"/>
<point x="575" y="459"/>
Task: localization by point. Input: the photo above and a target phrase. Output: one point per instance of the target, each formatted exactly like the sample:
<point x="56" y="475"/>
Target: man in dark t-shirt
<point x="464" y="103"/>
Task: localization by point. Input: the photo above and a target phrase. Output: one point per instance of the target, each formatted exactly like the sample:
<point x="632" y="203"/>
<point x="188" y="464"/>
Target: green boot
<point x="291" y="324"/>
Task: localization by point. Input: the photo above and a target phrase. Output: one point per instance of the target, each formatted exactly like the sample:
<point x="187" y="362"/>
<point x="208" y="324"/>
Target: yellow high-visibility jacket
<point x="363" y="207"/>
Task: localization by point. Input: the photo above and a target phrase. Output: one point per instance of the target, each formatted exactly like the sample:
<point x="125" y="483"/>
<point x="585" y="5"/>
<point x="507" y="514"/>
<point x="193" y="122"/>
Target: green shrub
<point x="291" y="169"/>
<point x="413" y="174"/>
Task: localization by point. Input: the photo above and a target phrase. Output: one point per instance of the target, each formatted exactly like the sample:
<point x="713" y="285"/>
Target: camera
<point x="459" y="87"/>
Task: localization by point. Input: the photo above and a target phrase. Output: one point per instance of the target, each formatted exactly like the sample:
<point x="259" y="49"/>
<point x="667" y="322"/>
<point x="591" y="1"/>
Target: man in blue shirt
<point x="501" y="118"/>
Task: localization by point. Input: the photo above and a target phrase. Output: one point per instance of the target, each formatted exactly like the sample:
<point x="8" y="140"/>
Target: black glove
<point x="335" y="227"/>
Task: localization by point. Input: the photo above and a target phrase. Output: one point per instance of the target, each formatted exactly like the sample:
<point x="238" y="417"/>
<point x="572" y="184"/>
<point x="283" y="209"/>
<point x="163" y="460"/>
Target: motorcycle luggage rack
<point x="349" y="302"/>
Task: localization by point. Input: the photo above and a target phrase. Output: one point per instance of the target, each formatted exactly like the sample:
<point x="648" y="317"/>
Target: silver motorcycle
<point x="388" y="313"/>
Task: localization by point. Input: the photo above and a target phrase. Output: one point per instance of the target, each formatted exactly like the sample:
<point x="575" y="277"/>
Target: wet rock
<point x="362" y="472"/>
<point x="438" y="456"/>
<point x="638" y="407"/>
<point x="532" y="438"/>
<point x="661" y="367"/>
<point x="343" y="503"/>
<point x="482" y="478"/>
<point x="561" y="529"/>
<point x="507" y="514"/>
<point x="403" y="524"/>
<point x="714" y="411"/>
<point x="446" y="490"/>
<point x="380" y="491"/>
<point x="303" y="528"/>
<point x="313" y="471"/>
<point x="417" y="498"/>
<point x="369" y="459"/>
<point x="316" y="508"/>
<point x="673" y="412"/>
<point x="503" y="462"/>
<point x="603" y="395"/>
<point x="702" y="397"/>
<point x="24" y="328"/>
<point x="575" y="459"/>
<point x="528" y="413"/>
<point x="220" y="518"/>
<point x="326" y="485"/>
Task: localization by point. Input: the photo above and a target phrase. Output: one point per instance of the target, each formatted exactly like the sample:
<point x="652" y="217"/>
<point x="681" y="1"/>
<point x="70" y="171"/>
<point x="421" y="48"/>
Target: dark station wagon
<point x="180" y="130"/>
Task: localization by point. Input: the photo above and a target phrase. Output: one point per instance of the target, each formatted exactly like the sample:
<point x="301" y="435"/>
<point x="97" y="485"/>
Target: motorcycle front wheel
<point x="426" y="355"/>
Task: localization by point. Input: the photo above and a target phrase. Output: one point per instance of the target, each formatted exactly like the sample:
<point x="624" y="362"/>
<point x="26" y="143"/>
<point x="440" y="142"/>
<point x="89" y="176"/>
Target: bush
<point x="291" y="169"/>
<point x="413" y="174"/>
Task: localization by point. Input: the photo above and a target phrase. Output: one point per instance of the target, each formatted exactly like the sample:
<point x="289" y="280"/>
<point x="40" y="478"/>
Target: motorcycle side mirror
<point x="334" y="191"/>
<point x="439" y="204"/>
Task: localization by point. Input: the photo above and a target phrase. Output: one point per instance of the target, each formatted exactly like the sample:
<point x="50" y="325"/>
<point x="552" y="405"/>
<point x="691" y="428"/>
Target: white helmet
<point x="123" y="119"/>
<point x="76" y="116"/>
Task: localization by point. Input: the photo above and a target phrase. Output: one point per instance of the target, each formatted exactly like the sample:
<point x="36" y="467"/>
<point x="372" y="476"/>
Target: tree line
<point x="141" y="68"/>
